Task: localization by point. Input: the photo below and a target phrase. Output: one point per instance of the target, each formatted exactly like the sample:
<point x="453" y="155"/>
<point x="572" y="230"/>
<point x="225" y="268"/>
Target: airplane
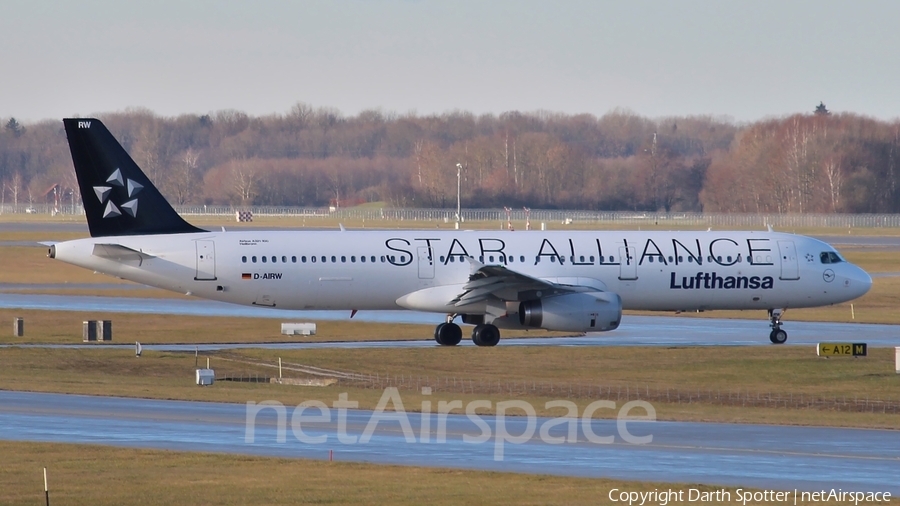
<point x="575" y="281"/>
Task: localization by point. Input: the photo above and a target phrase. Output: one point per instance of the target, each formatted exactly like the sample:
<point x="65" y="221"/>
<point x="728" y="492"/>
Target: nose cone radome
<point x="857" y="282"/>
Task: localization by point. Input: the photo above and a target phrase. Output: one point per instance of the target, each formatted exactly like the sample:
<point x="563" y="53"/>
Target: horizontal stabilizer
<point x="119" y="253"/>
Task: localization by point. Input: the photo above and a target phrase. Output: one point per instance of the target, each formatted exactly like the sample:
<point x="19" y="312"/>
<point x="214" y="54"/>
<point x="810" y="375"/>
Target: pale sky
<point x="740" y="59"/>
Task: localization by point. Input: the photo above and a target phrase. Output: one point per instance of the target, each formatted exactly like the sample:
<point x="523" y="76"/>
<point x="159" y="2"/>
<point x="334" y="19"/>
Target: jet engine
<point x="574" y="312"/>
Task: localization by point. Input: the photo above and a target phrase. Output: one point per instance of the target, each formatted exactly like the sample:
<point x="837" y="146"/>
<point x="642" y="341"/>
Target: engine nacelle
<point x="575" y="312"/>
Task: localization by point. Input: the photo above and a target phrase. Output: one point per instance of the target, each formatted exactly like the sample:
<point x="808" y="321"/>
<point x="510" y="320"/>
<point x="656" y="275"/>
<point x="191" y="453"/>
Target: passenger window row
<point x="728" y="259"/>
<point x="521" y="258"/>
<point x="825" y="257"/>
<point x="324" y="259"/>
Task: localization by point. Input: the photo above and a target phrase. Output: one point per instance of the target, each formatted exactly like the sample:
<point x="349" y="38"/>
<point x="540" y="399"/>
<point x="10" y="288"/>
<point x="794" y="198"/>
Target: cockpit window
<point x="830" y="257"/>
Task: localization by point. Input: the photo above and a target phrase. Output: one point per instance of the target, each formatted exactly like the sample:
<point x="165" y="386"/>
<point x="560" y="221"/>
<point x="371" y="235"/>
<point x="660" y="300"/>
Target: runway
<point x="783" y="458"/>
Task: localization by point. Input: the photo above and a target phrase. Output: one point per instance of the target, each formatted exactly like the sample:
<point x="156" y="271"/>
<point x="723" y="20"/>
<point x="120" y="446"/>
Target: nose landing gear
<point x="777" y="336"/>
<point x="449" y="333"/>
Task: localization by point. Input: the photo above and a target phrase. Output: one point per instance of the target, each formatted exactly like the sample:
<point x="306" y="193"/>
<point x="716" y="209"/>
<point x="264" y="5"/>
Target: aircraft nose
<point x="857" y="281"/>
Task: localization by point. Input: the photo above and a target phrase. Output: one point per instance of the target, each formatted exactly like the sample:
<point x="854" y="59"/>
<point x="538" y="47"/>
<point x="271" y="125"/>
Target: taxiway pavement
<point x="763" y="456"/>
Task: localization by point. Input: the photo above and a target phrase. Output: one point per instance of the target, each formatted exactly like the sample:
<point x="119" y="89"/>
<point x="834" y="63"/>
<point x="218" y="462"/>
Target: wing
<point x="487" y="281"/>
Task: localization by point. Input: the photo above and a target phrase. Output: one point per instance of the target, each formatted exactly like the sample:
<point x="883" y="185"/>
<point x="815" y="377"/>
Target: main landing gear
<point x="449" y="334"/>
<point x="486" y="335"/>
<point x="777" y="336"/>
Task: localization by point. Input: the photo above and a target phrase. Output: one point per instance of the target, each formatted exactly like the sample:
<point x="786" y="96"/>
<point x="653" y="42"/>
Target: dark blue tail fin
<point x="118" y="198"/>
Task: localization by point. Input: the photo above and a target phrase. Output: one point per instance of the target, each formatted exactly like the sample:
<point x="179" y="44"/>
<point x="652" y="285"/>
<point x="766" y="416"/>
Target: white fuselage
<point x="373" y="270"/>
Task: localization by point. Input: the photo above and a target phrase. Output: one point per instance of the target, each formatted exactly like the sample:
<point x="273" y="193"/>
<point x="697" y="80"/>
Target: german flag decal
<point x="246" y="275"/>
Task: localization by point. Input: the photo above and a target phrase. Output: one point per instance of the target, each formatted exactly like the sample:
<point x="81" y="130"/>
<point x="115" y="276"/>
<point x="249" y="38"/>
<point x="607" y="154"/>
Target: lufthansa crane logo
<point x="132" y="188"/>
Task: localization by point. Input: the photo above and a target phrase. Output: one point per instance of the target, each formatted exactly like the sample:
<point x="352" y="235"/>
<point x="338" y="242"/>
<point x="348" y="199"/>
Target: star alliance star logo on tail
<point x="131" y="186"/>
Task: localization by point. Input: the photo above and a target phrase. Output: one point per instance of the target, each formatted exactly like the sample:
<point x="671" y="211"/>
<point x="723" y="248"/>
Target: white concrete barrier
<point x="303" y="329"/>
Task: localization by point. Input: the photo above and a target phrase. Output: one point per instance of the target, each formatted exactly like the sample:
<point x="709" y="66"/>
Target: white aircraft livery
<point x="576" y="281"/>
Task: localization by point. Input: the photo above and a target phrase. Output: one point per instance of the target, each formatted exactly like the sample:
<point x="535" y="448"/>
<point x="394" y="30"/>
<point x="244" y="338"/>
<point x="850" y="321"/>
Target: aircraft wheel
<point x="486" y="335"/>
<point x="448" y="334"/>
<point x="778" y="336"/>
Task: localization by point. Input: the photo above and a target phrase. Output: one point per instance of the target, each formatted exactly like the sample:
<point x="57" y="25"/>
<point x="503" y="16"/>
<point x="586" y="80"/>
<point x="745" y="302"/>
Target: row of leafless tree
<point x="316" y="156"/>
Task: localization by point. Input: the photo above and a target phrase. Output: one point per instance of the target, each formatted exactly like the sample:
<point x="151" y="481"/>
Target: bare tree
<point x="835" y="177"/>
<point x="418" y="156"/>
<point x="14" y="185"/>
<point x="245" y="182"/>
<point x="184" y="178"/>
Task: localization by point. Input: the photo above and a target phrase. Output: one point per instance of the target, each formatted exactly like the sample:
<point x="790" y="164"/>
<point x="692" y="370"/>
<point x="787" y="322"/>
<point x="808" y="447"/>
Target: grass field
<point x="65" y="327"/>
<point x="99" y="476"/>
<point x="785" y="370"/>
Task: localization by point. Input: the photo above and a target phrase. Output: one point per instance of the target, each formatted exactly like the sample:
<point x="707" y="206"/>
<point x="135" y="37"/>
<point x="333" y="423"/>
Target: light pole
<point x="458" y="171"/>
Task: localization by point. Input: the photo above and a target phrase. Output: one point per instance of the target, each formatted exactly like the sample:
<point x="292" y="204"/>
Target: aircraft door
<point x="627" y="263"/>
<point x="426" y="262"/>
<point x="206" y="261"/>
<point x="790" y="268"/>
